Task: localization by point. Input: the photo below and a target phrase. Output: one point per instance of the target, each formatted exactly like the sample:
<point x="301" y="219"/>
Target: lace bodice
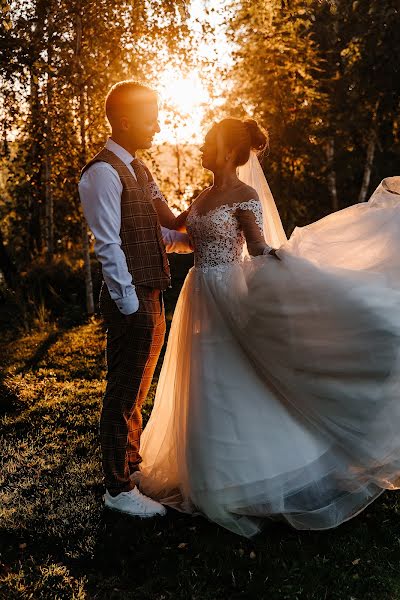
<point x="218" y="236"/>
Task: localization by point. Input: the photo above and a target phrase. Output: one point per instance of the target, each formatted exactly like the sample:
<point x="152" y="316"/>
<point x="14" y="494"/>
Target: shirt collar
<point x="119" y="151"/>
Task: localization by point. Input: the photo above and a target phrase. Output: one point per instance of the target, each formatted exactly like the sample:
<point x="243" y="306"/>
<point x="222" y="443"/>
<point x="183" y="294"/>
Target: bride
<point x="279" y="395"/>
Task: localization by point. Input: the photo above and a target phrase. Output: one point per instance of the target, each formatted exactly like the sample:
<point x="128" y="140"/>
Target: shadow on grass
<point x="41" y="351"/>
<point x="9" y="400"/>
<point x="10" y="403"/>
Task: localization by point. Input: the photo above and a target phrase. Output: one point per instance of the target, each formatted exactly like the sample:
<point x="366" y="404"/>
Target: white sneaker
<point x="134" y="503"/>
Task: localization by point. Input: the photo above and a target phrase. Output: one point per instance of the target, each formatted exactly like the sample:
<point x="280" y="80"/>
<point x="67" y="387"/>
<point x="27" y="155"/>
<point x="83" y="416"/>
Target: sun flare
<point x="184" y="100"/>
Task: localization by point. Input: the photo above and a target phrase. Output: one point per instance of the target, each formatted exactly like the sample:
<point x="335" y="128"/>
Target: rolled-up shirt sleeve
<point x="100" y="192"/>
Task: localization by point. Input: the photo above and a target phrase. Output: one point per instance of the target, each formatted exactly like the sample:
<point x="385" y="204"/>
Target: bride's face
<point x="213" y="151"/>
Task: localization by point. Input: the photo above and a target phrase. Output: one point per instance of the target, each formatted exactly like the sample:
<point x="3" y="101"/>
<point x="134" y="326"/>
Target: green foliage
<point x="57" y="284"/>
<point x="317" y="72"/>
<point x="323" y="76"/>
<point x="59" y="60"/>
<point x="47" y="292"/>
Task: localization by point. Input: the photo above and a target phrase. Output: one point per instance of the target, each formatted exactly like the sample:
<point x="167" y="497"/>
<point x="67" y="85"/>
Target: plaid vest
<point x="140" y="233"/>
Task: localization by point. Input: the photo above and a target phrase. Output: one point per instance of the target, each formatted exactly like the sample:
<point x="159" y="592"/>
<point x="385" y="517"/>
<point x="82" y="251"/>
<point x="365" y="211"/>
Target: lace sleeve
<point x="152" y="187"/>
<point x="250" y="218"/>
<point x="166" y="217"/>
<point x="155" y="192"/>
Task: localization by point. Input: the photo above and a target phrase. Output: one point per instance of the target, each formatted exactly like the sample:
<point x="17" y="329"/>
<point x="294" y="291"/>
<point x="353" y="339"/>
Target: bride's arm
<point x="251" y="225"/>
<point x="165" y="215"/>
<point x="167" y="218"/>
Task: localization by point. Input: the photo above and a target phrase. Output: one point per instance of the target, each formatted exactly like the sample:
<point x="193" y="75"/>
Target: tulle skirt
<point x="279" y="396"/>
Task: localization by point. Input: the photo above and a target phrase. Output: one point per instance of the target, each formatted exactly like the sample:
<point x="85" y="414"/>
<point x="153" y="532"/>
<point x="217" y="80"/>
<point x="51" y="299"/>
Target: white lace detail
<point x="256" y="208"/>
<point x="155" y="192"/>
<point x="217" y="237"/>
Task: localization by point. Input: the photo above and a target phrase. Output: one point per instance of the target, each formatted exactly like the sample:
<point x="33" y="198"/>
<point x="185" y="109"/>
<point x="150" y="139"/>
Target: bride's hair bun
<point x="243" y="135"/>
<point x="258" y="136"/>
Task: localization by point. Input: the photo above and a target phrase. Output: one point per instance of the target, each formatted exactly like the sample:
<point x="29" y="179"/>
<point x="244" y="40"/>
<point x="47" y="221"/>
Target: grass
<point x="57" y="541"/>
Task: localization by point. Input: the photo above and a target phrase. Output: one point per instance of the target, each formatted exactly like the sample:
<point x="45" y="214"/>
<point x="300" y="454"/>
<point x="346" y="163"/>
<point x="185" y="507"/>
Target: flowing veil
<point x="252" y="174"/>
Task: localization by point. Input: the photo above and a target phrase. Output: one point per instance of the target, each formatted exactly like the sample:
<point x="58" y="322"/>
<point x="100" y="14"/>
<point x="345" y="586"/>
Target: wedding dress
<point x="279" y="395"/>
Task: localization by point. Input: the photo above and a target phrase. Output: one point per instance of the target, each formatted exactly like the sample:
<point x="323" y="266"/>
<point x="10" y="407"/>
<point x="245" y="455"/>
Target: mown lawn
<point x="57" y="541"/>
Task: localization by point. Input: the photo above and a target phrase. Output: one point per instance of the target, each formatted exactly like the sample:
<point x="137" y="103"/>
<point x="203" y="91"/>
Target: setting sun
<point x="184" y="99"/>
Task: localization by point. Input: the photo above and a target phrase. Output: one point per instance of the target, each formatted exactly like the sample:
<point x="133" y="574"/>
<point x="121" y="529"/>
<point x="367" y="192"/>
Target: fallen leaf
<point x="356" y="561"/>
<point x="182" y="546"/>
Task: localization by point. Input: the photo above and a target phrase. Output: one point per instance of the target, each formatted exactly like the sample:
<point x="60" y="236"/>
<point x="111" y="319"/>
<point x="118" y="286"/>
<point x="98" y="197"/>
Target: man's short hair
<point x="126" y="94"/>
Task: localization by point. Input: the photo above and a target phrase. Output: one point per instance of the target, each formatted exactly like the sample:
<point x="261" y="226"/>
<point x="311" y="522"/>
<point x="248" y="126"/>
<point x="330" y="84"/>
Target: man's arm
<point x="100" y="192"/>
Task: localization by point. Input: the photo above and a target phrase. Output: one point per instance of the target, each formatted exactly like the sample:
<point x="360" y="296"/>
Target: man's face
<point x="140" y="124"/>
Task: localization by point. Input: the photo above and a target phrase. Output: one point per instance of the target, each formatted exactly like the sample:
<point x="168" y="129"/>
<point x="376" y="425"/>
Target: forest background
<point x="321" y="75"/>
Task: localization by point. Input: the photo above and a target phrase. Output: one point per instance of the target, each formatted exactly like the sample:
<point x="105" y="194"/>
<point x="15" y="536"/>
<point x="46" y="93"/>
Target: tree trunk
<point x="85" y="238"/>
<point x="368" y="165"/>
<point x="178" y="168"/>
<point x="371" y="145"/>
<point x="35" y="238"/>
<point x="49" y="210"/>
<point x="82" y="126"/>
<point x="7" y="266"/>
<point x="330" y="156"/>
<point x="88" y="271"/>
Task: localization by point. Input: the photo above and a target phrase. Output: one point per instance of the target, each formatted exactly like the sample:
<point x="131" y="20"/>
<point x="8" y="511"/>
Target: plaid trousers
<point x="134" y="344"/>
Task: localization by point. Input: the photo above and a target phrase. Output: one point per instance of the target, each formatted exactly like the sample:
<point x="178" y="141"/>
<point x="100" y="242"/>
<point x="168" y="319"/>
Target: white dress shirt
<point x="100" y="191"/>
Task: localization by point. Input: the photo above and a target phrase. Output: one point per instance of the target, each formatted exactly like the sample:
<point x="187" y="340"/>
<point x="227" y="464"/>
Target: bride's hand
<point x="273" y="252"/>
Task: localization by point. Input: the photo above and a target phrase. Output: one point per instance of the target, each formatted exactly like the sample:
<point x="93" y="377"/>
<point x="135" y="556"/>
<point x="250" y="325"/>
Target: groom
<point x="116" y="191"/>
